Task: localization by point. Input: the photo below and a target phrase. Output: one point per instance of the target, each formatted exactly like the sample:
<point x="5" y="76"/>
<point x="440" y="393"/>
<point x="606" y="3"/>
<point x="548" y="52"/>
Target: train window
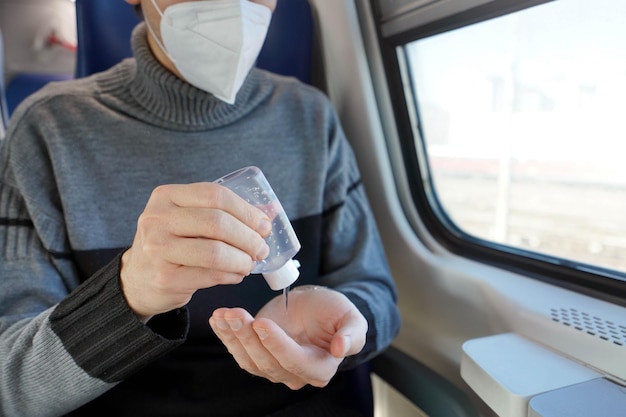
<point x="523" y="128"/>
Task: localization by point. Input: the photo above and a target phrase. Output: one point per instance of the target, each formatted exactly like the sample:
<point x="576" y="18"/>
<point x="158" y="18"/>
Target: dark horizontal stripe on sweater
<point x="307" y="229"/>
<point x="61" y="255"/>
<point x="16" y="222"/>
<point x="29" y="223"/>
<point x="337" y="206"/>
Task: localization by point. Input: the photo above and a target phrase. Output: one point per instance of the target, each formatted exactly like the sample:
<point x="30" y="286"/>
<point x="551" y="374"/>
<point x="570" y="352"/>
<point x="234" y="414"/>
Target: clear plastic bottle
<point x="279" y="269"/>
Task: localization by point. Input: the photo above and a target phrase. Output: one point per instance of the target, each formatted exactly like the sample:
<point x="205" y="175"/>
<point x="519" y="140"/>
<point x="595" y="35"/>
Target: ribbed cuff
<point x="104" y="336"/>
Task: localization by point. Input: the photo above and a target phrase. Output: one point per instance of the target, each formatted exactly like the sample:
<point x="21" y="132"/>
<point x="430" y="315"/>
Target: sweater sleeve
<point x="354" y="261"/>
<point x="61" y="345"/>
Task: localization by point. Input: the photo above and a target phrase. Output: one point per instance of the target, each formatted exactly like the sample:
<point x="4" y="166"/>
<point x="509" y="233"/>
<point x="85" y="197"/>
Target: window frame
<point x="595" y="281"/>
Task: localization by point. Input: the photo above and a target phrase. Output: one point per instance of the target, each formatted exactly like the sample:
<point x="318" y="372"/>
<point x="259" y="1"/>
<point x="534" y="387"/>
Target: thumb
<point x="350" y="337"/>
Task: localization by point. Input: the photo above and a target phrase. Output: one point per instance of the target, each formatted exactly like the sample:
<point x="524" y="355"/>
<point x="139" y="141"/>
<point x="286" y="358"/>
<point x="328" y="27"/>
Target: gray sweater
<point x="78" y="164"/>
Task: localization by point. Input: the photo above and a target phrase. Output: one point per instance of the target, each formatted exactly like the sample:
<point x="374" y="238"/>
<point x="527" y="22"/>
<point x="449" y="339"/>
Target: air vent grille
<point x="595" y="326"/>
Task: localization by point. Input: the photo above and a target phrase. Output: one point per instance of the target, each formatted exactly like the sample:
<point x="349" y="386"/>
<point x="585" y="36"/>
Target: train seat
<point x="24" y="84"/>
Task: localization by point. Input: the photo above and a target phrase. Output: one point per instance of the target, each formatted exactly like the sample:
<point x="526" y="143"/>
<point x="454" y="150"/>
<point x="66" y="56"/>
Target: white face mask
<point x="214" y="43"/>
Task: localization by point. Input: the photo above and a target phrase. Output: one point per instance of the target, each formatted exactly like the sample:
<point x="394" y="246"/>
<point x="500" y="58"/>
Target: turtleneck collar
<point x="159" y="97"/>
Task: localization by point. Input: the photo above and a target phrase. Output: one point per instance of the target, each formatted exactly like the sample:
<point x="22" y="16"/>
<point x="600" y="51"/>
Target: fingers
<point x="208" y="211"/>
<point x="234" y="329"/>
<point x="225" y="329"/>
<point x="190" y="237"/>
<point x="304" y="364"/>
<point x="262" y="348"/>
<point x="217" y="225"/>
<point x="203" y="195"/>
<point x="209" y="254"/>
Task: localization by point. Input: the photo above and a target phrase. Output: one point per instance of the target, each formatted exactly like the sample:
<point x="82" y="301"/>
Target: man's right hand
<point x="190" y="237"/>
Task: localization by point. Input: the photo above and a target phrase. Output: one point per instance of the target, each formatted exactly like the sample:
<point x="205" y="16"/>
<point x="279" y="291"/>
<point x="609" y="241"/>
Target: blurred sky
<point x="540" y="83"/>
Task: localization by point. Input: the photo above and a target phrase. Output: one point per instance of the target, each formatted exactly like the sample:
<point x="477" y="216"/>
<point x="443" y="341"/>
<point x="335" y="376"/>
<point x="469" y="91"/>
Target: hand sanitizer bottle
<point x="279" y="269"/>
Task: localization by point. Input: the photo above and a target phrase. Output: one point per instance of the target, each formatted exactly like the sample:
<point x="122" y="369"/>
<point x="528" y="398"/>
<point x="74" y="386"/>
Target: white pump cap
<point x="283" y="276"/>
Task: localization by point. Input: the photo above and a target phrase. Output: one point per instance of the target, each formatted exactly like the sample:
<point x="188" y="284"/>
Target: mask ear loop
<point x="154" y="36"/>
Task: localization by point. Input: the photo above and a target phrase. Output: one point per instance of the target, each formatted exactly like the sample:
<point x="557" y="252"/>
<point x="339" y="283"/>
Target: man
<point x="117" y="248"/>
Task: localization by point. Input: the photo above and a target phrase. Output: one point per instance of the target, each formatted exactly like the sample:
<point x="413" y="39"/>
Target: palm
<point x="304" y="345"/>
<point x="313" y="316"/>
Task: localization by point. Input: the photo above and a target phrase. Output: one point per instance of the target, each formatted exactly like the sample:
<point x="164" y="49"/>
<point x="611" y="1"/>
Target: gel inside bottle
<point x="279" y="268"/>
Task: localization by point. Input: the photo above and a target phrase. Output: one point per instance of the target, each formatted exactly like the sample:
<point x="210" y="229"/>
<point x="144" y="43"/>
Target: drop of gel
<point x="286" y="295"/>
